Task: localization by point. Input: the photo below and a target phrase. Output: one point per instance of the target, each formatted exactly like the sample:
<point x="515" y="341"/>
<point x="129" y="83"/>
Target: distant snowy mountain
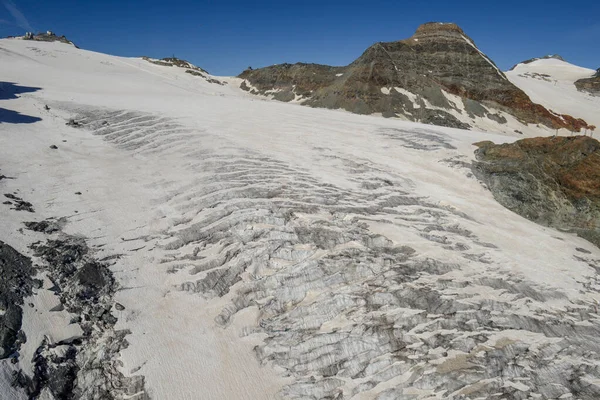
<point x="551" y="83"/>
<point x="165" y="236"/>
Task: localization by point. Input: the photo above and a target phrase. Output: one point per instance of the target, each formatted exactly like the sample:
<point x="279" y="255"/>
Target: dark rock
<point x="54" y="147"/>
<point x="73" y="123"/>
<point x="591" y="85"/>
<point x="57" y="308"/>
<point x="442" y="118"/>
<point x="47" y="37"/>
<point x="552" y="181"/>
<point x="194" y="73"/>
<point x="78" y="193"/>
<point x="85" y="287"/>
<point x="19" y="203"/>
<point x="16" y="283"/>
<point x="47" y="226"/>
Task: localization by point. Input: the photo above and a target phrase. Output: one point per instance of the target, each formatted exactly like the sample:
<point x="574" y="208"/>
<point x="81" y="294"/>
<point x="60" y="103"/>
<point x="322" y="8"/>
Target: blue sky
<point x="224" y="37"/>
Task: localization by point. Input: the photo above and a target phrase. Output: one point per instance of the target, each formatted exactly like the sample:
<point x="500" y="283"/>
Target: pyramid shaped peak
<point x="436" y="28"/>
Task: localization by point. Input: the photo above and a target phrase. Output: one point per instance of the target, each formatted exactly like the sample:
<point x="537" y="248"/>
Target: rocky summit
<point x="48" y="36"/>
<point x="553" y="181"/>
<point x="438" y="76"/>
<point x="591" y="85"/>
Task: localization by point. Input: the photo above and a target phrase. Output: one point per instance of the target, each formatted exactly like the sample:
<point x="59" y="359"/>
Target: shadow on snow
<point x="9" y="91"/>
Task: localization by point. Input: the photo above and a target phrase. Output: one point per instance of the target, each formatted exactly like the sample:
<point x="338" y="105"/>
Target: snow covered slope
<point x="551" y="83"/>
<point x="265" y="250"/>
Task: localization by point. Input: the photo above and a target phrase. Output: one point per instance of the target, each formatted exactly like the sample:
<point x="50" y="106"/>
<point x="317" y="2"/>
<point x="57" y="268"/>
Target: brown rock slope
<point x="591" y="85"/>
<point x="554" y="181"/>
<point x="439" y="57"/>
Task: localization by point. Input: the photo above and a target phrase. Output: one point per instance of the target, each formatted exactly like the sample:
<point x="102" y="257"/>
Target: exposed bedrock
<point x="590" y="85"/>
<point x="553" y="181"/>
<point x="80" y="367"/>
<point x="85" y="367"/>
<point x="16" y="283"/>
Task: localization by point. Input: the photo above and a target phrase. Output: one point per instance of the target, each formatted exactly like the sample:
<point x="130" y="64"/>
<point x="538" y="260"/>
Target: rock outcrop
<point x="188" y="66"/>
<point x="553" y="181"/>
<point x="16" y="284"/>
<point x="591" y="85"/>
<point x="437" y="76"/>
<point x="48" y="36"/>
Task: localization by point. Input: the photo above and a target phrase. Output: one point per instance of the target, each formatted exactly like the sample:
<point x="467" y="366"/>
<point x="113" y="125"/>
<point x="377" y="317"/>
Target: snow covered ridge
<point x="546" y="57"/>
<point x="552" y="82"/>
<point x="261" y="250"/>
<point x="48" y="36"/>
<point x="189" y="67"/>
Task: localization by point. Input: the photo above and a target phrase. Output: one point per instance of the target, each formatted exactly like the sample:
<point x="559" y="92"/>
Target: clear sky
<point x="224" y="37"/>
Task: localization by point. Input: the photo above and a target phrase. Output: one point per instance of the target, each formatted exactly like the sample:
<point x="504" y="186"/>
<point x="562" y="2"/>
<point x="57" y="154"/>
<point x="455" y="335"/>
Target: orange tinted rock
<point x="554" y="181"/>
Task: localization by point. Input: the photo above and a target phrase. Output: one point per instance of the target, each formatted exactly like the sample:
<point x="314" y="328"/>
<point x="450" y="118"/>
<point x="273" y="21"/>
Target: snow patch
<point x="413" y="97"/>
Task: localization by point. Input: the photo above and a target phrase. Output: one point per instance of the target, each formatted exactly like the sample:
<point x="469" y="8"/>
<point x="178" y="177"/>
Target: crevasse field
<point x="270" y="250"/>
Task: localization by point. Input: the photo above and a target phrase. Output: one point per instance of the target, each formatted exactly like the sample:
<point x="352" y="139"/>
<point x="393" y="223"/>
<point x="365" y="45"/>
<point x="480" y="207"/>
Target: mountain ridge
<point x="423" y="78"/>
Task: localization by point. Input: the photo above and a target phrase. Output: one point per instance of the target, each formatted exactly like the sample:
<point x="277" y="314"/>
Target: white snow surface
<point x="551" y="83"/>
<point x="138" y="199"/>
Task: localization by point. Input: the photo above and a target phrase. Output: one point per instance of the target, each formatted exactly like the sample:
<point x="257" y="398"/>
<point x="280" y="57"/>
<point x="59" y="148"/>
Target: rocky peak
<point x="419" y="79"/>
<point x="437" y="31"/>
<point x="551" y="57"/>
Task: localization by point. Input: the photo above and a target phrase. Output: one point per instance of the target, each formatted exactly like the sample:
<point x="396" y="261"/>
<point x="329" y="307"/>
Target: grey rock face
<point x="47" y="37"/>
<point x="16" y="283"/>
<point x="591" y="85"/>
<point x="47" y="226"/>
<point x="86" y="367"/>
<point x="552" y="181"/>
<point x="18" y="203"/>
